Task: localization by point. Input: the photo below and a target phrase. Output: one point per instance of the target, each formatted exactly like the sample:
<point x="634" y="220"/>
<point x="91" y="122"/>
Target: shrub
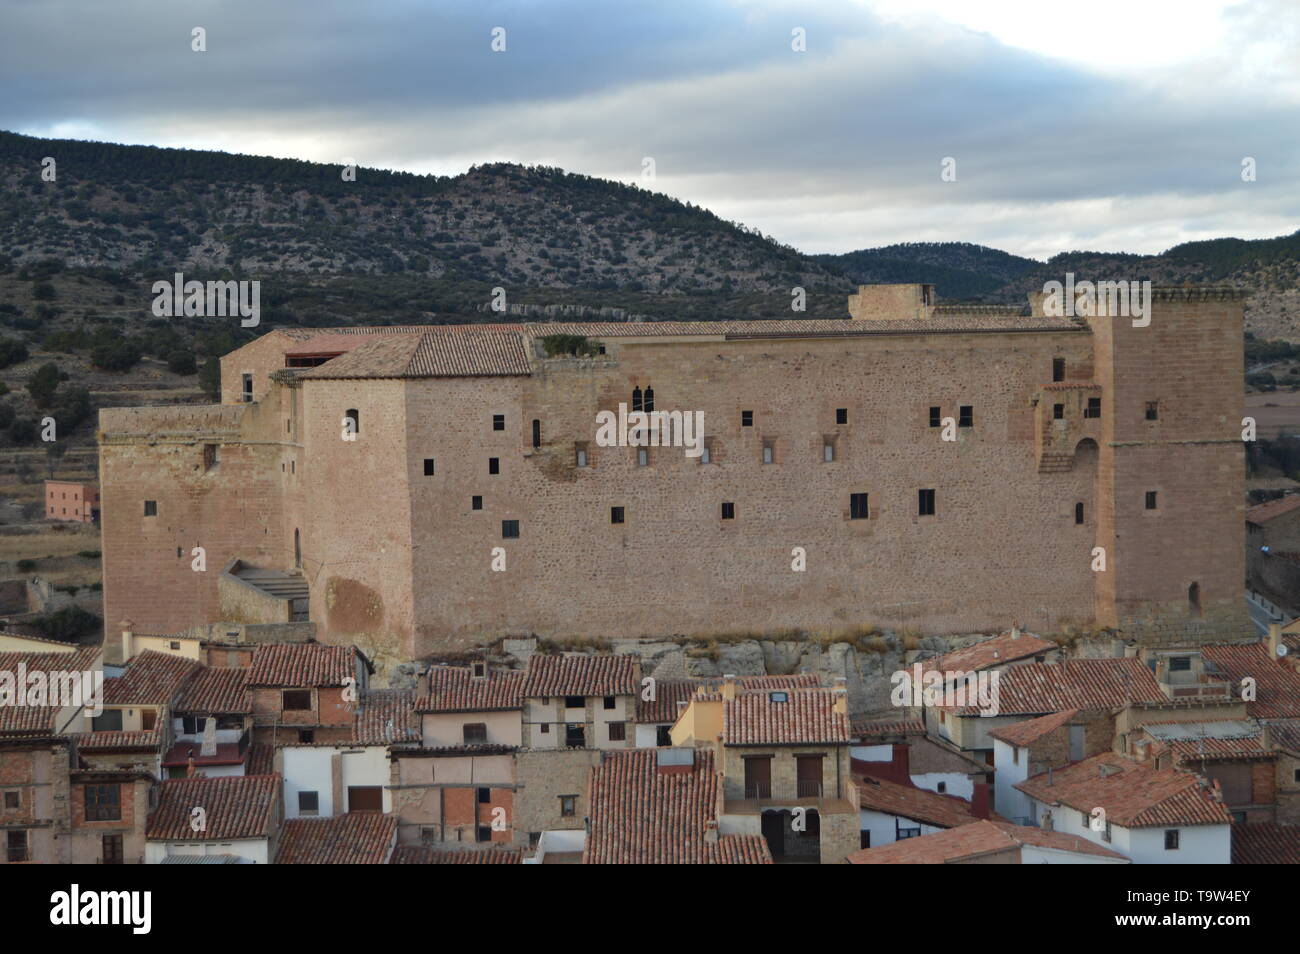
<point x="43" y="383"/>
<point x="68" y="624"/>
<point x="43" y="291"/>
<point x="12" y="352"/>
<point x="182" y="362"/>
<point x="119" y="356"/>
<point x="26" y="566"/>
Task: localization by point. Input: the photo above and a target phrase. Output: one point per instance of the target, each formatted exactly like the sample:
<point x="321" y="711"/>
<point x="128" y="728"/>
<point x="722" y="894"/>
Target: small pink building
<point x="71" y="500"/>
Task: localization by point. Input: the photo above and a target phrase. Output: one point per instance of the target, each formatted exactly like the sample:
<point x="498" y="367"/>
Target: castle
<point x="939" y="467"/>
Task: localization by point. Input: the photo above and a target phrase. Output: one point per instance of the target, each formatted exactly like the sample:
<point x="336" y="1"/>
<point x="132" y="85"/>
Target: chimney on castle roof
<point x="1015" y="629"/>
<point x="1274" y="640"/>
<point x="128" y="632"/>
<point x="711" y="831"/>
<point x="729" y="686"/>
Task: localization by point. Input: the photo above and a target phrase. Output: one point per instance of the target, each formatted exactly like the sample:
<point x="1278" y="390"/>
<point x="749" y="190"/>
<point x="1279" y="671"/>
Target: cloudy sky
<point x="1116" y="125"/>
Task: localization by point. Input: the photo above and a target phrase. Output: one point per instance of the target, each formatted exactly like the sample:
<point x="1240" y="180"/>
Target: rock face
<point x="867" y="672"/>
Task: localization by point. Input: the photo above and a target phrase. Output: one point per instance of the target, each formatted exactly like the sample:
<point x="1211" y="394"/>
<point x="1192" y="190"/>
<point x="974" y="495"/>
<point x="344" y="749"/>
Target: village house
<point x="73" y="500"/>
<point x="784" y="758"/>
<point x="305" y="692"/>
<point x="457" y="783"/>
<point x="353" y="774"/>
<point x="1148" y="813"/>
<point x="212" y="725"/>
<point x="234" y="818"/>
<point x="660" y="806"/>
<point x="990" y="843"/>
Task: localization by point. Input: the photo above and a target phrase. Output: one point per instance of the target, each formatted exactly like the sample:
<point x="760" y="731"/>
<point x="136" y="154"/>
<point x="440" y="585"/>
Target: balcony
<point x="756" y="790"/>
<point x="809" y="788"/>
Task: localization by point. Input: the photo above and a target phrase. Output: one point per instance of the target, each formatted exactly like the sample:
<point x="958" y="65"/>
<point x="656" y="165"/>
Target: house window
<point x="498" y="422"/>
<point x="110" y="720"/>
<point x="1151" y="500"/>
<point x="936" y="415"/>
<point x="1058" y="369"/>
<point x="479" y="670"/>
<point x="1078" y="513"/>
<point x="828" y="451"/>
<point x="482" y="833"/>
<point x="618" y="731"/>
<point x="248" y="388"/>
<point x="494" y="465"/>
<point x="746" y="418"/>
<point x="475" y="733"/>
<point x="306" y="736"/>
<point x="1171" y="839"/>
<point x="111" y="850"/>
<point x="1015" y="756"/>
<point x="13" y="800"/>
<point x="636" y="399"/>
<point x="642" y="457"/>
<point x="485" y="796"/>
<point x="575" y="736"/>
<point x="16" y="846"/>
<point x="925" y="503"/>
<point x="509" y="529"/>
<point x="574" y="702"/>
<point x="966" y="415"/>
<point x="649" y="400"/>
<point x="769" y="452"/>
<point x="942" y="788"/>
<point x="308" y="803"/>
<point x="296" y="700"/>
<point x="428" y="467"/>
<point x="706" y="452"/>
<point x="1180" y="663"/>
<point x="864" y="838"/>
<point x="545" y="728"/>
<point x="615" y="514"/>
<point x="537" y="433"/>
<point x="664" y="736"/>
<point x="1058" y="412"/>
<point x="581" y="452"/>
<point x="352" y="421"/>
<point x="151" y="508"/>
<point x="858" y="507"/>
<point x="728" y="510"/>
<point x="568" y="805"/>
<point x="609" y="702"/>
<point x="476" y="502"/>
<point x="103" y="803"/>
<point x="1094" y="408"/>
<point x="841" y="415"/>
<point x="1153" y="410"/>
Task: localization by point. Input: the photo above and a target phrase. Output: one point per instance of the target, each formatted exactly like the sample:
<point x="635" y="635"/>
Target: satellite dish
<point x="1281" y="649"/>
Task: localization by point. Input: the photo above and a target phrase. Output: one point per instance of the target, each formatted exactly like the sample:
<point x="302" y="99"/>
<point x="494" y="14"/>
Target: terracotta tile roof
<point x="971" y="841"/>
<point x="1039" y="688"/>
<point x="868" y="729"/>
<point x="1217" y="750"/>
<point x="151" y="679"/>
<point x="882" y="795"/>
<point x="117" y="741"/>
<point x="437" y="353"/>
<point x="1277" y="688"/>
<point x="453" y="689"/>
<point x="242" y="806"/>
<point x="952" y="320"/>
<point x="386" y="717"/>
<point x="39" y="720"/>
<point x="663" y="707"/>
<point x="1269" y="510"/>
<point x="357" y="838"/>
<point x="581" y="675"/>
<point x="640" y="815"/>
<point x="1031" y="730"/>
<point x="261" y="759"/>
<point x="428" y="855"/>
<point x="668" y="692"/>
<point x="1285" y="734"/>
<point x="302" y="665"/>
<point x="1134" y="794"/>
<point x="215" y="691"/>
<point x="807" y="716"/>
<point x="1265" y="845"/>
<point x="1192" y="742"/>
<point x="991" y="652"/>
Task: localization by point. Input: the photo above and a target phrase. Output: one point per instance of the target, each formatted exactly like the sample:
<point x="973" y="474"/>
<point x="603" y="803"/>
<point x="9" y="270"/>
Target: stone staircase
<point x="291" y="586"/>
